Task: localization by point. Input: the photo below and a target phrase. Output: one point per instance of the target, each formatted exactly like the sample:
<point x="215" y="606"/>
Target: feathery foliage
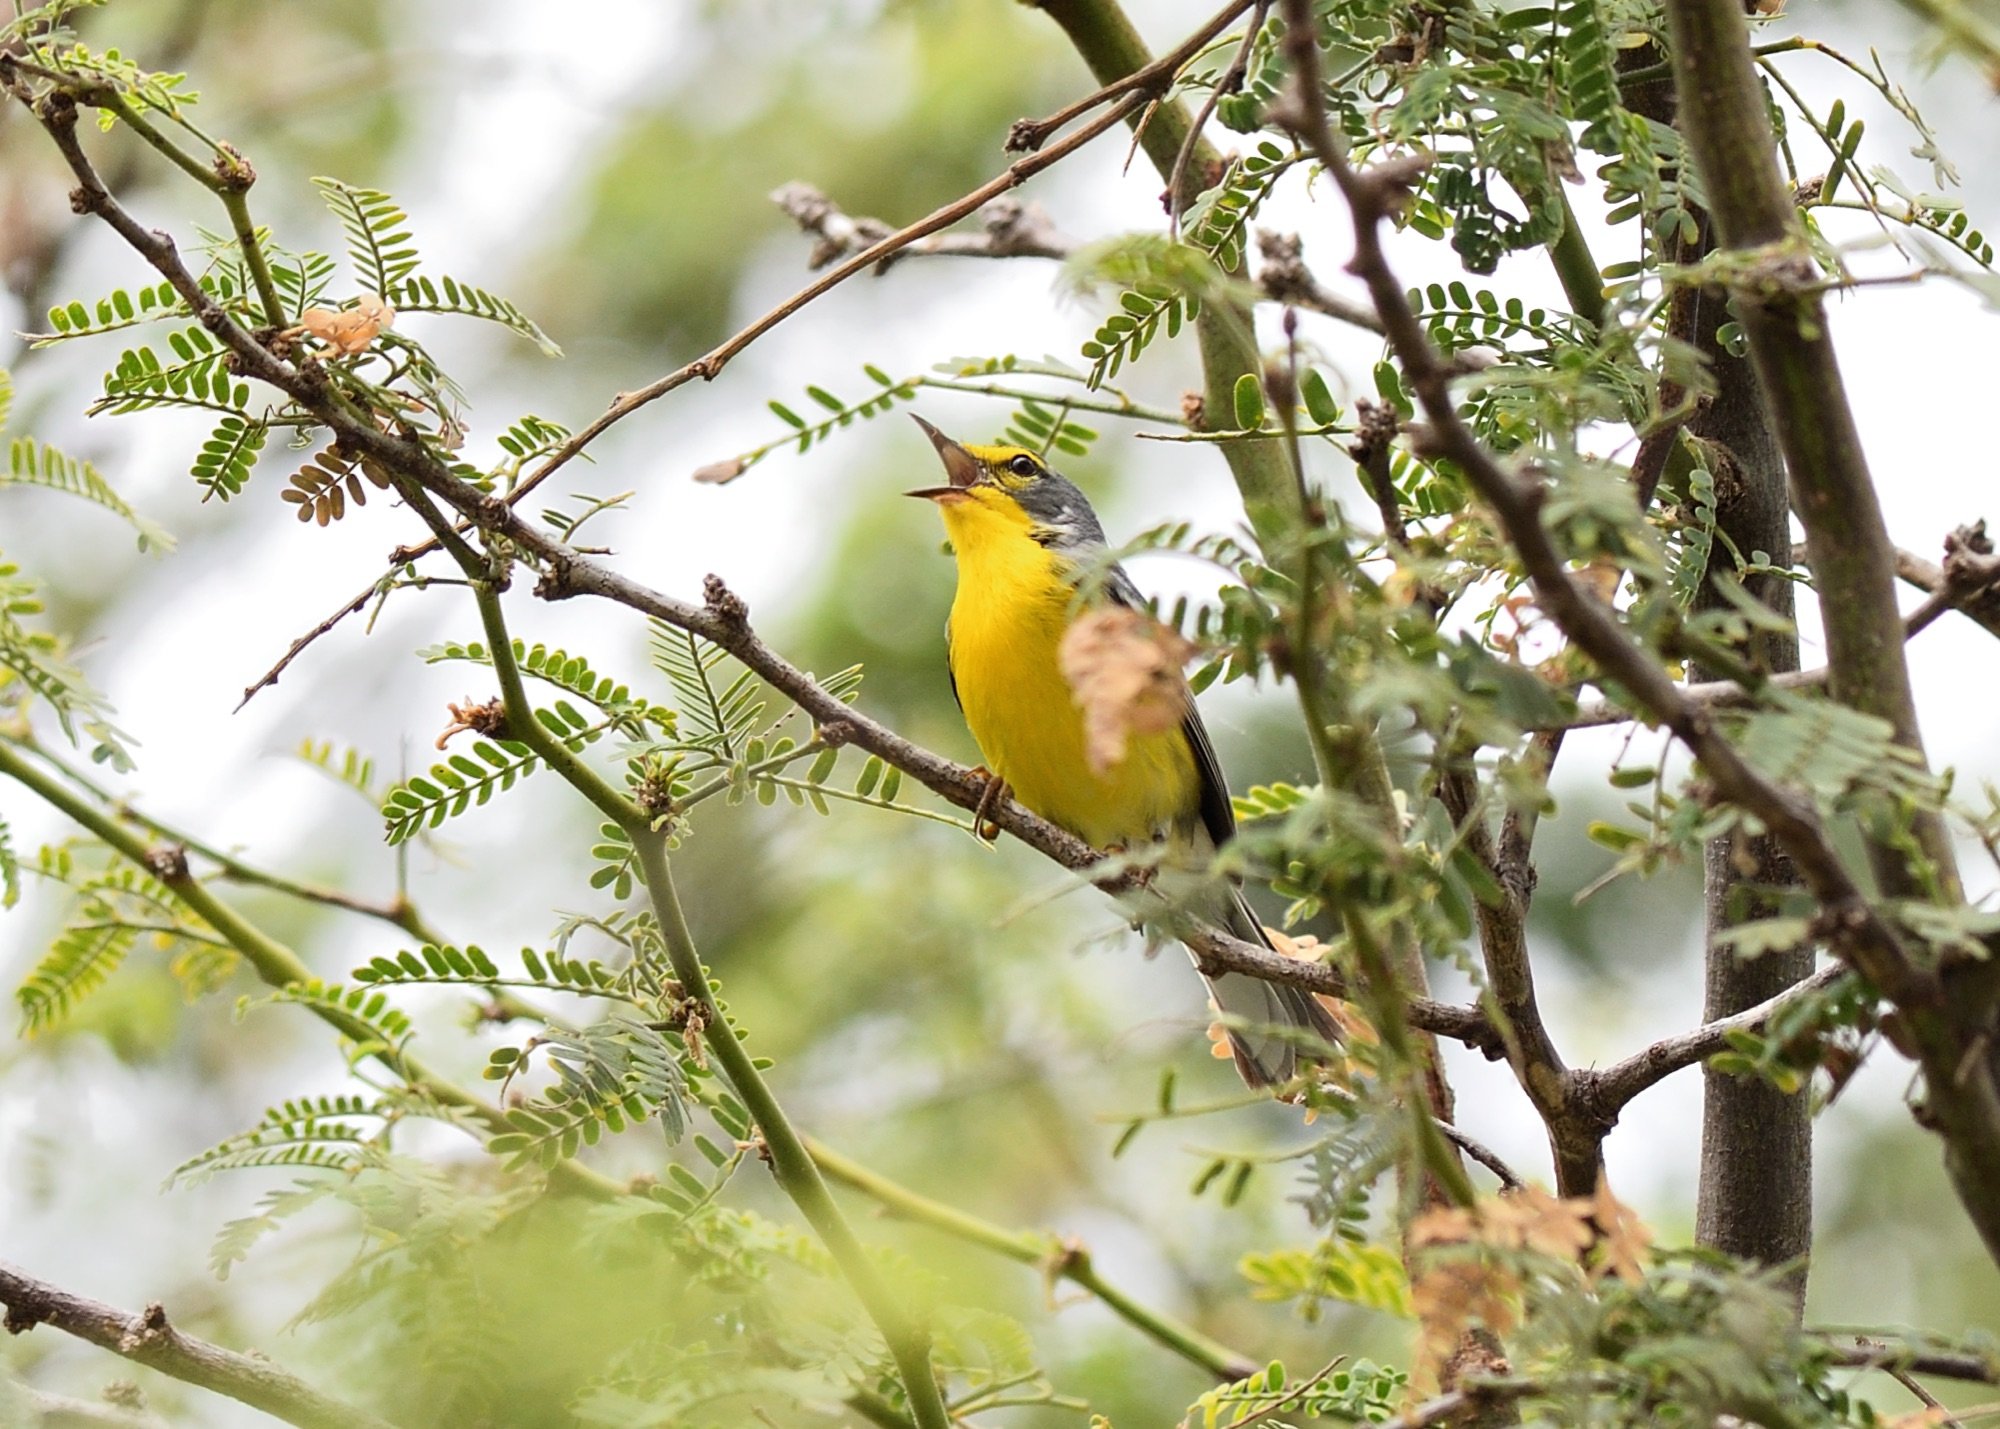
<point x="33" y="663"/>
<point x="378" y="237"/>
<point x="468" y="781"/>
<point x="418" y="294"/>
<point x="630" y="715"/>
<point x="485" y="1300"/>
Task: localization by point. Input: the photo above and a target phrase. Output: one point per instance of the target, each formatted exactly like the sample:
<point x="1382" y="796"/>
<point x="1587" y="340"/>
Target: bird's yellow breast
<point x="1007" y="621"/>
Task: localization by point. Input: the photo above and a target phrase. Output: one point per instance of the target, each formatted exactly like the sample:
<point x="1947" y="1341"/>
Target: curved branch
<point x="907" y="1337"/>
<point x="148" y="1339"/>
<point x="1058" y="1259"/>
<point x="1618" y="1084"/>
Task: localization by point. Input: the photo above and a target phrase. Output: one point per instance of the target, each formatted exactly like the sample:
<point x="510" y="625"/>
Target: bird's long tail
<point x="1267" y="1041"/>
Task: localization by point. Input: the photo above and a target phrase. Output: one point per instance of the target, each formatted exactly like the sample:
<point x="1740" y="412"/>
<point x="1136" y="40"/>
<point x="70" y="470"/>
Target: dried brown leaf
<point x="351" y="330"/>
<point x="1532" y="1219"/>
<point x="1449" y="1295"/>
<point x="1625" y="1244"/>
<point x="1443" y="1225"/>
<point x="717" y="473"/>
<point x="1124" y="671"/>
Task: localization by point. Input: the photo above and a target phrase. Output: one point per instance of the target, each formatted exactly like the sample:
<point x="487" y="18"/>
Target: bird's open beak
<point x="961" y="467"/>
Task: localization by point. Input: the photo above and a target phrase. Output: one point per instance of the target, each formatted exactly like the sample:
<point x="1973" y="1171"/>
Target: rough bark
<point x="1755" y="1192"/>
<point x="1754" y="1196"/>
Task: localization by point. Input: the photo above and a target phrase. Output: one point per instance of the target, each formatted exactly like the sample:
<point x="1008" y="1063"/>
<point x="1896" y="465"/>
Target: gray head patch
<point x="1063" y="519"/>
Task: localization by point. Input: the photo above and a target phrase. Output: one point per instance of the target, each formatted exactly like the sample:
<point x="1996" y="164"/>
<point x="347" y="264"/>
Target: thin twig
<point x="1056" y="1258"/>
<point x="1924" y="1397"/>
<point x="1136" y="89"/>
<point x="1727" y="694"/>
<point x="1291" y="1396"/>
<point x="1462" y="1405"/>
<point x="1229" y="82"/>
<point x="1711" y="694"/>
<point x="1285" y="278"/>
<point x="1010" y="229"/>
<point x="1483" y="1154"/>
<point x="1028" y="135"/>
<point x="1966" y="582"/>
<point x="148" y="1339"/>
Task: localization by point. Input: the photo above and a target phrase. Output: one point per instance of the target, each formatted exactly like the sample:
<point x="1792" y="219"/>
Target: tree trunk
<point x="1755" y="1193"/>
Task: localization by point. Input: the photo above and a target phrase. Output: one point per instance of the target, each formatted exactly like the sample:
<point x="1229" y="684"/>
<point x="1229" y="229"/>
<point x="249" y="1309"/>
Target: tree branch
<point x="1107" y="42"/>
<point x="1538" y="1066"/>
<point x="1012" y="229"/>
<point x="148" y="1339"/>
<point x="1229" y="81"/>
<point x="1724" y="115"/>
<point x="1968" y="581"/>
<point x="1943" y="1031"/>
<point x="1225" y="1363"/>
<point x="1754" y="1185"/>
<point x="1057" y="1258"/>
<point x="1152" y="78"/>
<point x="908" y="1339"/>
<point x="1710" y="694"/>
<point x="1285" y="278"/>
<point x="1516" y="503"/>
<point x="1614" y="1086"/>
<point x="1268" y="478"/>
<point x="1872" y="1352"/>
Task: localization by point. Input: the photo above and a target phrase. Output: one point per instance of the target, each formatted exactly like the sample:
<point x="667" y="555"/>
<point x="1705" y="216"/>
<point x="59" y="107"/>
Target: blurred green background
<point x="957" y="1017"/>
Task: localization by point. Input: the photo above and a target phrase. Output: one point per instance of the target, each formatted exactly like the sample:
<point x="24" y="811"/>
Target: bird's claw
<point x="1141" y="876"/>
<point x="991" y="797"/>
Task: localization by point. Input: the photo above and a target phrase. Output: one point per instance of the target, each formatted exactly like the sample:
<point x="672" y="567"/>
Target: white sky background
<point x="1919" y="373"/>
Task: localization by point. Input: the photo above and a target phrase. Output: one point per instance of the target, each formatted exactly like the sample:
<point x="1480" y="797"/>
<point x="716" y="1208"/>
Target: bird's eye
<point x="1022" y="466"/>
